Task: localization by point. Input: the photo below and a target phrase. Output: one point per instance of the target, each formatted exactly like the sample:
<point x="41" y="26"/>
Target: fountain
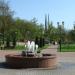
<point x="31" y="59"/>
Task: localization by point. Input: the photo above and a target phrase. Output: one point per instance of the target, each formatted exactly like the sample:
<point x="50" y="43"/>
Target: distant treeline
<point x="16" y="29"/>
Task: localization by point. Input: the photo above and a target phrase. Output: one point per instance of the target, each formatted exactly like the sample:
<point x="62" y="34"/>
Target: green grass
<point x="67" y="48"/>
<point x="40" y="49"/>
<point x="22" y="47"/>
<point x="19" y="47"/>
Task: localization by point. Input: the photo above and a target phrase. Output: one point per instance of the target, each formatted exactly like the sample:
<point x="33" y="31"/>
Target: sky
<point x="58" y="10"/>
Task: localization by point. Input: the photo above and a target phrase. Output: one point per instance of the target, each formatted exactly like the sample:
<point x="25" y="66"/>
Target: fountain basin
<point x="19" y="61"/>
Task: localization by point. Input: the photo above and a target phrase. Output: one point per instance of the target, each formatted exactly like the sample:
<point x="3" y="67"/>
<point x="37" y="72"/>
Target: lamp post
<point x="60" y="40"/>
<point x="59" y="26"/>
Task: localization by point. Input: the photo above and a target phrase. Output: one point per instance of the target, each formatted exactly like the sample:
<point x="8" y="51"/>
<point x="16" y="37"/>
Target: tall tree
<point x="6" y="19"/>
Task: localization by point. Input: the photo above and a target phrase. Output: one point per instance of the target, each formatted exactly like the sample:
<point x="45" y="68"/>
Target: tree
<point x="6" y="20"/>
<point x="28" y="30"/>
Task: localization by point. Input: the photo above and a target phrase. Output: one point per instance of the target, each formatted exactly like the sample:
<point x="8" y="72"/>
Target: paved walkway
<point x="6" y="52"/>
<point x="66" y="64"/>
<point x="51" y="49"/>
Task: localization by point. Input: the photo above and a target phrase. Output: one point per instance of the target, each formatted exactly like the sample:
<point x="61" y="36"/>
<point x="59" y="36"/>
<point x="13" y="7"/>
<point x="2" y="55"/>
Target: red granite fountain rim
<point x="20" y="56"/>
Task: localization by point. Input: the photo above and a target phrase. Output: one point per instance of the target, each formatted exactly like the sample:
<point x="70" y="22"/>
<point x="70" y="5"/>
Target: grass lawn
<point x="22" y="48"/>
<point x="67" y="48"/>
<point x="18" y="47"/>
<point x="46" y="46"/>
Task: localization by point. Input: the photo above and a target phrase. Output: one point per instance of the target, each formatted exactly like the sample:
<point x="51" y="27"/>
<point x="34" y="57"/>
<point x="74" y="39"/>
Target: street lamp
<point x="60" y="40"/>
<point x="59" y="26"/>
